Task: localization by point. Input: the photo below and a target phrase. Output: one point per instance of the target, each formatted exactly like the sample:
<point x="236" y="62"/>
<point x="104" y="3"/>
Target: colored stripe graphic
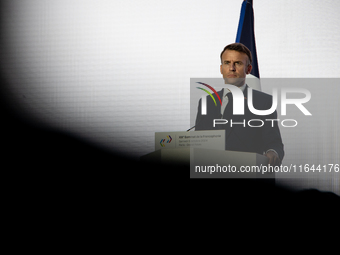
<point x="169" y="139"/>
<point x="209" y="94"/>
<point x="213" y="90"/>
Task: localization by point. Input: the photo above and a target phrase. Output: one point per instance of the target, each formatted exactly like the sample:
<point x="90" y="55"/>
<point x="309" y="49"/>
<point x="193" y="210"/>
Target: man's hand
<point x="274" y="159"/>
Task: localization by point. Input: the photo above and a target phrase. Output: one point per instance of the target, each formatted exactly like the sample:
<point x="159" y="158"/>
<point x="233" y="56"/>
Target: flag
<point x="246" y="35"/>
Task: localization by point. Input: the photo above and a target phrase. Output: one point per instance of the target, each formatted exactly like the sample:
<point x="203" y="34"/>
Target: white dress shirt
<point x="225" y="99"/>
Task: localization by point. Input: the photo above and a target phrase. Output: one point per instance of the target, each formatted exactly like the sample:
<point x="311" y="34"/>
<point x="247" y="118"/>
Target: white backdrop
<point x="114" y="72"/>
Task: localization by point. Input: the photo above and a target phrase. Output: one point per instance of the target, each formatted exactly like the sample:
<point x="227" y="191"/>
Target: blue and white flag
<point x="246" y="35"/>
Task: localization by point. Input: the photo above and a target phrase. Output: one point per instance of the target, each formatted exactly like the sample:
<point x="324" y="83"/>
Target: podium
<point x="203" y="152"/>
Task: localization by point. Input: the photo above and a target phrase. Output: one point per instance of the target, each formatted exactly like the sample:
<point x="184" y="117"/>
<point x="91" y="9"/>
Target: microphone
<point x="191" y="128"/>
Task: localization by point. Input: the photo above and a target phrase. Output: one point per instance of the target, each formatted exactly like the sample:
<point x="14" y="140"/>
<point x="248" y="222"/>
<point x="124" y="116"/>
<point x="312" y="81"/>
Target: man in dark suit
<point x="248" y="132"/>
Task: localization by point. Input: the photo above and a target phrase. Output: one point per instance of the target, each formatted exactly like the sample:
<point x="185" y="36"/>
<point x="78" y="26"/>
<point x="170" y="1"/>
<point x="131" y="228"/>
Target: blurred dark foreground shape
<point x="43" y="157"/>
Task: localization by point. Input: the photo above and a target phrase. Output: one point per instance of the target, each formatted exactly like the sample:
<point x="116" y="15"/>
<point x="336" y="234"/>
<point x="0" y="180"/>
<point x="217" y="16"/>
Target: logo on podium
<point x="163" y="140"/>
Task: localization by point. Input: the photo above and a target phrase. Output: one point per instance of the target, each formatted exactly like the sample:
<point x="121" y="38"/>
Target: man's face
<point x="234" y="67"/>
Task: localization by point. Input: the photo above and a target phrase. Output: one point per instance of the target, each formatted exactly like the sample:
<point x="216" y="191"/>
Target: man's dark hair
<point x="240" y="48"/>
